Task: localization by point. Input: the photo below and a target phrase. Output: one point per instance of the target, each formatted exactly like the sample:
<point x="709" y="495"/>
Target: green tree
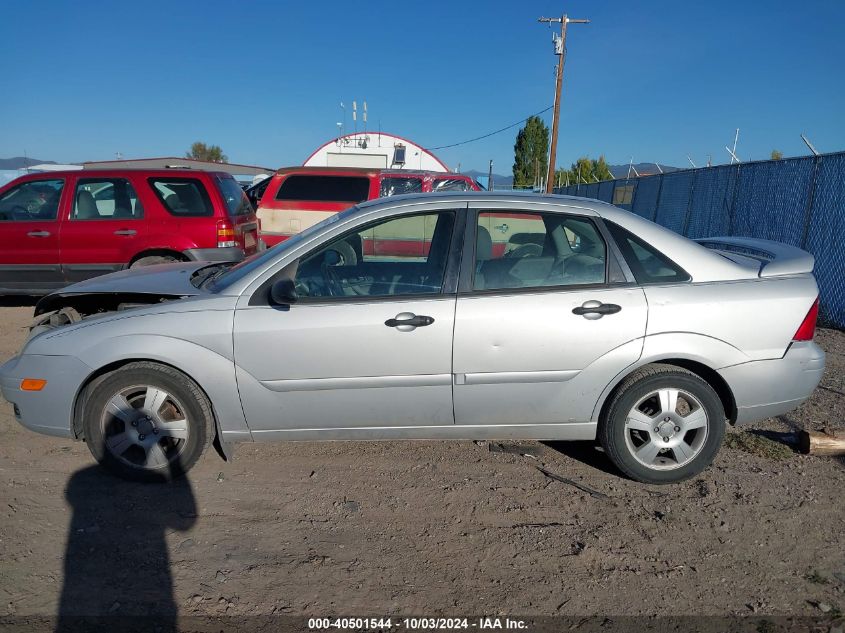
<point x="585" y="170"/>
<point x="531" y="153"/>
<point x="213" y="153"/>
<point x="777" y="154"/>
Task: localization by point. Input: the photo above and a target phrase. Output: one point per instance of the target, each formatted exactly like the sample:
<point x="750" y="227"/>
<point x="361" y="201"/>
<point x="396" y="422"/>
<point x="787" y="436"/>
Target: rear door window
<point x="324" y="188"/>
<point x="396" y="186"/>
<point x="37" y="200"/>
<point x="183" y="197"/>
<point x="106" y="199"/>
<point x="516" y="249"/>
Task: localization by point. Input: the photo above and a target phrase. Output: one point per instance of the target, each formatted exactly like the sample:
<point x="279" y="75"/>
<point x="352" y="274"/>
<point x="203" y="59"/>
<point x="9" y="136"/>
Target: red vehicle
<point x="57" y="228"/>
<point x="295" y="198"/>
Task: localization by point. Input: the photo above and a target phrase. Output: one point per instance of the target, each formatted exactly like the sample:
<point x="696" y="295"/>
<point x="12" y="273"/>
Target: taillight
<point x="225" y="235"/>
<point x="808" y="325"/>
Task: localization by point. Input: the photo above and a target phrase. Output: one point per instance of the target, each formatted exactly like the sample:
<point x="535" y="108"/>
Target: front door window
<point x="32" y="201"/>
<point x="400" y="256"/>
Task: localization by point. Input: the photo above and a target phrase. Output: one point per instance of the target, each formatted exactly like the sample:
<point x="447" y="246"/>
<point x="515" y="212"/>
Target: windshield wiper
<point x="201" y="276"/>
<point x="219" y="270"/>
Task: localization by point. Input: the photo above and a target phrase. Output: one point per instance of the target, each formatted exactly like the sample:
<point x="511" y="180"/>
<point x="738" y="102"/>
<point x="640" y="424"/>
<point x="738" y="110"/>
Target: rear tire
<point x="152" y="260"/>
<point x="146" y="422"/>
<point x="664" y="424"/>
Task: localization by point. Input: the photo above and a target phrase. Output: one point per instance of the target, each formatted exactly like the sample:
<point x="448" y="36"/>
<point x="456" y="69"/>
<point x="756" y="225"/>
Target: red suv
<point x="57" y="228"/>
<point x="298" y="197"/>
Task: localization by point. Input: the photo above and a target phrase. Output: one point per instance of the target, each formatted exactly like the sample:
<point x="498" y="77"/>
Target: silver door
<point x="540" y="333"/>
<point x="368" y="342"/>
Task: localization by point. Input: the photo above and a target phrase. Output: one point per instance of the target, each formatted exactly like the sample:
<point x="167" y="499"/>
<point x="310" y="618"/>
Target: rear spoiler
<point x="775" y="258"/>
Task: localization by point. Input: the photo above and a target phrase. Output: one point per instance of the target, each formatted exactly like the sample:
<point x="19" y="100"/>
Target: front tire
<point x="664" y="424"/>
<point x="146" y="422"/>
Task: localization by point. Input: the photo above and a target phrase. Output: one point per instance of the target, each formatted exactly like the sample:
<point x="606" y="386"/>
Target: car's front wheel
<point x="663" y="425"/>
<point x="146" y="422"/>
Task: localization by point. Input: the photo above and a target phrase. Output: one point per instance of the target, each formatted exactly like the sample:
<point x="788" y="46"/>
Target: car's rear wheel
<point x="663" y="425"/>
<point x="146" y="422"/>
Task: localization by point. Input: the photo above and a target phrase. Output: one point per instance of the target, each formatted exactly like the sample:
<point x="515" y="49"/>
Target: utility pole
<point x="560" y="51"/>
<point x="490" y="176"/>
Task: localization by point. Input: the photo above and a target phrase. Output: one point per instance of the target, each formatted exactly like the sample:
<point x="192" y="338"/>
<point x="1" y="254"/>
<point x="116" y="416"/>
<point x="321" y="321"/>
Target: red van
<point x="295" y="198"/>
<point x="57" y="228"/>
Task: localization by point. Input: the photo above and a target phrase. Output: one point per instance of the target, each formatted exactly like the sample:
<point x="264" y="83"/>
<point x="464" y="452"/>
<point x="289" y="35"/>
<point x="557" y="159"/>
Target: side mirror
<point x="283" y="292"/>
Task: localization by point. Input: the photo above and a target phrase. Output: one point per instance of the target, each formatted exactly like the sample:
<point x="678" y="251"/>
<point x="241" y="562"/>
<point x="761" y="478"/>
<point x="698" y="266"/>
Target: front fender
<point x="213" y="372"/>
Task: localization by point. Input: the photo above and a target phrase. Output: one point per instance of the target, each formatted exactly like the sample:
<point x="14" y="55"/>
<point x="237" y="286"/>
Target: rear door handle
<point x="126" y="232"/>
<point x="596" y="309"/>
<point x="39" y="234"/>
<point x="408" y="321"/>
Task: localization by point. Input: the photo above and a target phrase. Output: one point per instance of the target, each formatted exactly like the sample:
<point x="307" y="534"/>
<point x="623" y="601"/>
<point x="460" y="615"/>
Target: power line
<point x="478" y="138"/>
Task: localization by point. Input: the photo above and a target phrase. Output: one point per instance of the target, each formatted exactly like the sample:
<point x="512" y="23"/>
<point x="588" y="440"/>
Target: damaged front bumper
<point x="49" y="411"/>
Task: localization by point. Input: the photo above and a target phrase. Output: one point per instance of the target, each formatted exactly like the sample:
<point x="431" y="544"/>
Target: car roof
<point x="86" y="173"/>
<point x="368" y="171"/>
<point x="498" y="197"/>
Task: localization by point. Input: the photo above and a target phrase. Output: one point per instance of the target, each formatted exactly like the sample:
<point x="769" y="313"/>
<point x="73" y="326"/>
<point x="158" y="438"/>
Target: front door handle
<point x="593" y="310"/>
<point x="408" y="321"/>
<point x="39" y="234"/>
<point x="126" y="232"/>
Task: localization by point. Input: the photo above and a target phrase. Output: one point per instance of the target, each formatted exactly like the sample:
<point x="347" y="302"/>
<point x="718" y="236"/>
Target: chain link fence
<point x="798" y="201"/>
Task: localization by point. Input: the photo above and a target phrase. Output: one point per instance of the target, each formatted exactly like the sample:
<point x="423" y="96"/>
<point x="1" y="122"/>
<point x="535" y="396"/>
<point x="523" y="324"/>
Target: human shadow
<point x="116" y="568"/>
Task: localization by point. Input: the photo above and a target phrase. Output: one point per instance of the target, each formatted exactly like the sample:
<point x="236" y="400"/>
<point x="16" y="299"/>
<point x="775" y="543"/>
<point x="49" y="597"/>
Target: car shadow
<point x="116" y="565"/>
<point x="588" y="453"/>
<point x="18" y="301"/>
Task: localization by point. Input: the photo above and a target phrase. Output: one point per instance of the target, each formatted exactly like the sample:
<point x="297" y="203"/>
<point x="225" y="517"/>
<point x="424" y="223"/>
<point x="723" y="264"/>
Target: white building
<point x="374" y="150"/>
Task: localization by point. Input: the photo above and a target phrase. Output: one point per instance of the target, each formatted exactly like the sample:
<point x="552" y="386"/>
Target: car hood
<point x="171" y="279"/>
<point x="149" y="284"/>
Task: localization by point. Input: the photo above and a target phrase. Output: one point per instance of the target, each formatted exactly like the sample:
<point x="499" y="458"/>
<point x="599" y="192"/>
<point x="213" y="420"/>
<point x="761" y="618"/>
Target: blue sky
<point x="652" y="80"/>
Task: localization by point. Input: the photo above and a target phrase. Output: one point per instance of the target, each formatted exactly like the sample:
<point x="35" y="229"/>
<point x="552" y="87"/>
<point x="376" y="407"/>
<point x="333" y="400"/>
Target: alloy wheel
<point x="145" y="427"/>
<point x="666" y="429"/>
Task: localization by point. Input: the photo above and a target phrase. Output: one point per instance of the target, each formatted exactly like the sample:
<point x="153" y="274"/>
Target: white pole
<point x="733" y="153"/>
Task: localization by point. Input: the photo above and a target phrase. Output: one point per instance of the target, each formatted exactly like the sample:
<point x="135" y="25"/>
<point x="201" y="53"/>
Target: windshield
<point x="259" y="260"/>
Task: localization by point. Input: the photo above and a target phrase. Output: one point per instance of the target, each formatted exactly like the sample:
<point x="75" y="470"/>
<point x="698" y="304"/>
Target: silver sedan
<point x="443" y="316"/>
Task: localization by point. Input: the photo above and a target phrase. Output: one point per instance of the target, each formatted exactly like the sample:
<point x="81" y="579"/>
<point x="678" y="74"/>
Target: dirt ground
<point x="426" y="528"/>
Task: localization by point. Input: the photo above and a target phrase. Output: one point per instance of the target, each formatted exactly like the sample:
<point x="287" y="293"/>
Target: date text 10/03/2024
<point x="422" y="623"/>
